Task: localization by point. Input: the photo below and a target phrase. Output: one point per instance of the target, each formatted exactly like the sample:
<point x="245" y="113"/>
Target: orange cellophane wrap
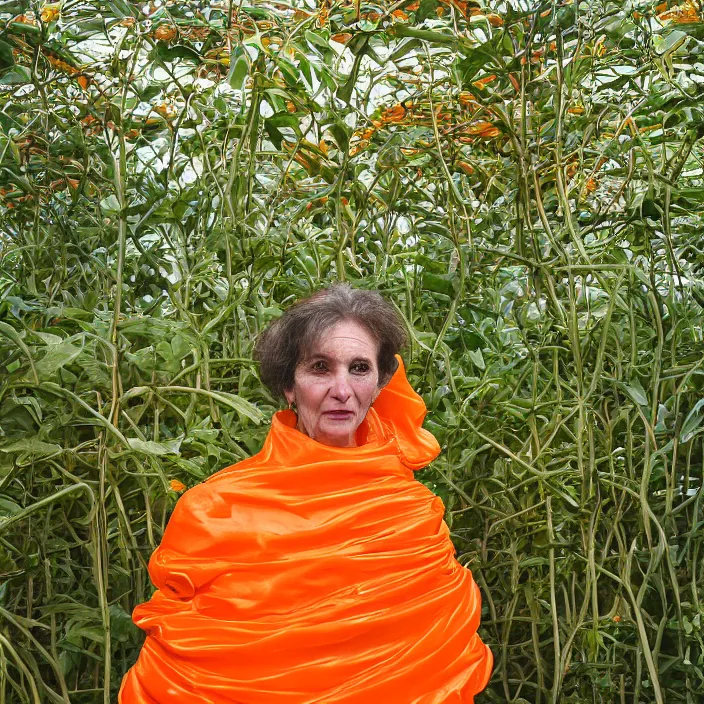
<point x="310" y="573"/>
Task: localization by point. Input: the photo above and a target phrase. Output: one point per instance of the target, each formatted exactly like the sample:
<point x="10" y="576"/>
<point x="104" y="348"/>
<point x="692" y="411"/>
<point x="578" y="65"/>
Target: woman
<point x="319" y="570"/>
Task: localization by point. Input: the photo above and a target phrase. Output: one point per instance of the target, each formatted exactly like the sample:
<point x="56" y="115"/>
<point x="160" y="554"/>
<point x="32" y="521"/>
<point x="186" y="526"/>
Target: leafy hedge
<point x="522" y="179"/>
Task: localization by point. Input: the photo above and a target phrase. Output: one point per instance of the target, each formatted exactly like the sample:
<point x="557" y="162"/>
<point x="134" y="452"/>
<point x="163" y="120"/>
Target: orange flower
<point x="61" y="65"/>
<point x="323" y="14"/>
<point x="166" y="110"/>
<point x="50" y="12"/>
<point x="83" y="80"/>
<point x="483" y="82"/>
<point x="495" y="20"/>
<point x="290" y="106"/>
<point x="462" y="6"/>
<point x="176" y="485"/>
<point x="680" y="14"/>
<point x="165" y="32"/>
<point x="305" y="163"/>
<point x="399" y="15"/>
<point x="465" y="167"/>
<point x="490" y="133"/>
<point x="483" y="129"/>
<point x="196" y="34"/>
<point x="650" y="128"/>
<point x="467" y="99"/>
<point x="394" y="114"/>
<point x="592" y="185"/>
<point x="25" y="19"/>
<point x="127" y="22"/>
<point x="617" y="619"/>
<point x="576" y="110"/>
<point x="413" y="6"/>
<point x="341" y="38"/>
<point x="365" y="134"/>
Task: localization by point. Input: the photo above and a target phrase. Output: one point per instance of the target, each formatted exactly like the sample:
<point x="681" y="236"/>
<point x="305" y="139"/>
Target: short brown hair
<point x="288" y="339"/>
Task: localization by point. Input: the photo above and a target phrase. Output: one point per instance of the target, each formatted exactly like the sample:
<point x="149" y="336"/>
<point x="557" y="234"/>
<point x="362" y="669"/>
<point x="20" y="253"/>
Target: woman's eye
<point x="319" y="366"/>
<point x="361" y="367"/>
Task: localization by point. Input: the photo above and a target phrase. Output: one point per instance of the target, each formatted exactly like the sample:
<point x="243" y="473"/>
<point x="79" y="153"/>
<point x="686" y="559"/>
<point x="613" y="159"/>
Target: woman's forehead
<point x="342" y="340"/>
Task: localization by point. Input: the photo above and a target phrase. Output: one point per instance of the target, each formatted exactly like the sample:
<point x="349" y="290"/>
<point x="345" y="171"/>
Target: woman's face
<point x="336" y="384"/>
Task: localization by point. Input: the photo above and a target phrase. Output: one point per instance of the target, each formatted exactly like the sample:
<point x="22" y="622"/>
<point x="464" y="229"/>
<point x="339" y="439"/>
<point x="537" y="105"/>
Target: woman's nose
<point x="341" y="387"/>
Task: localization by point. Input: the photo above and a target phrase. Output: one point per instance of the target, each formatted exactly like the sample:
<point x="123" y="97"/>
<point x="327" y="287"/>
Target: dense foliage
<point x="522" y="179"/>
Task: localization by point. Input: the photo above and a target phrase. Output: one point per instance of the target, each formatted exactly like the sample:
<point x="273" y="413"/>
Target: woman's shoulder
<point x="230" y="472"/>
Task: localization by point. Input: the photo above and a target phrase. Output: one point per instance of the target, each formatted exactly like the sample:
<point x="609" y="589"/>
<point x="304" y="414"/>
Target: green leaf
<point x="122" y="628"/>
<point x="6" y="57"/>
<point x="176" y="52"/>
<point x="344" y="92"/>
<point x="32" y="446"/>
<point x="440" y="283"/>
<point x="8" y="508"/>
<point x="237" y="403"/>
<point x="16" y="75"/>
<point x="636" y="392"/>
<point x="670" y="42"/>
<point x="239" y="69"/>
<point x="149" y="447"/>
<point x="692" y="422"/>
<point x="180" y="347"/>
<point x="316" y="40"/>
<point x="477" y="357"/>
<point x="56" y="357"/>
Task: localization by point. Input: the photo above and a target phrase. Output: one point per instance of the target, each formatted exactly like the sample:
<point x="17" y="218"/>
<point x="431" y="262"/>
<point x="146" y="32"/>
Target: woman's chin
<point x="341" y="435"/>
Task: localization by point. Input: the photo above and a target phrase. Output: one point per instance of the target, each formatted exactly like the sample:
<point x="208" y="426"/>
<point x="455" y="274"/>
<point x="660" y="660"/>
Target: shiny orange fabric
<point x="314" y="574"/>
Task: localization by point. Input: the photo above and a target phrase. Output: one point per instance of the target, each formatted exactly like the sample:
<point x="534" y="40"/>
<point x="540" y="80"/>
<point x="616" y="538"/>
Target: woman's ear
<point x="290" y="396"/>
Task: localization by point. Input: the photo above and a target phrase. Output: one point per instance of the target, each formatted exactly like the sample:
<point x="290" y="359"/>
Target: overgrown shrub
<point x="522" y="179"/>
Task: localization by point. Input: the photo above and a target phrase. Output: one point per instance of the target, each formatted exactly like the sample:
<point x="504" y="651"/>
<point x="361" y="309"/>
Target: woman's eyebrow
<point x="327" y="358"/>
<point x="317" y="355"/>
<point x="361" y="359"/>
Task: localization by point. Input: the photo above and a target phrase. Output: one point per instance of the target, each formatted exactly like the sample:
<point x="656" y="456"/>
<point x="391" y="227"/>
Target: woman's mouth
<point x="339" y="415"/>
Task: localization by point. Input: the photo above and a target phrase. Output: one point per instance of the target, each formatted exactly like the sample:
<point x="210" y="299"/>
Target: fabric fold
<point x="309" y="574"/>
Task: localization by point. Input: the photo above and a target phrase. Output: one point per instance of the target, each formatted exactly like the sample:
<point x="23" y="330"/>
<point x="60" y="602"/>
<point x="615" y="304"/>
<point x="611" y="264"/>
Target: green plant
<point x="522" y="179"/>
